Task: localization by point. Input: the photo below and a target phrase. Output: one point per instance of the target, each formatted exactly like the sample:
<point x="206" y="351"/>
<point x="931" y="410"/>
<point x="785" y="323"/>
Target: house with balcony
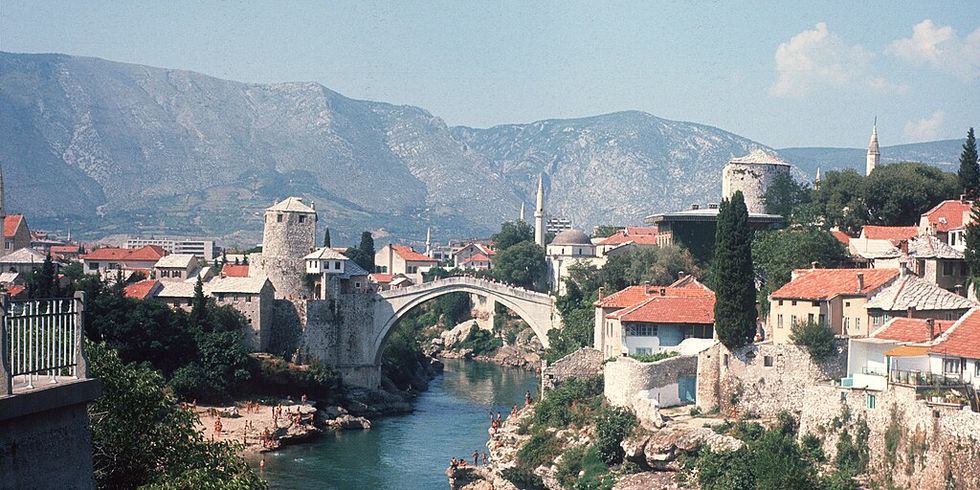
<point x="900" y="345"/>
<point x="832" y="297"/>
<point x="955" y="355"/>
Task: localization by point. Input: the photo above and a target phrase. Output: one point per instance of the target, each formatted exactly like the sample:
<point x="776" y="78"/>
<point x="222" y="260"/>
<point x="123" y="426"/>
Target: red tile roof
<point x="141" y="289"/>
<point x="816" y="284"/>
<point x="16" y="291"/>
<point x="634" y="295"/>
<point x="11" y="223"/>
<point x="65" y="249"/>
<point x="232" y="270"/>
<point x="624" y="298"/>
<point x="874" y="232"/>
<point x="698" y="309"/>
<point x="381" y="278"/>
<point x="915" y="330"/>
<point x="841" y="237"/>
<point x="642" y="230"/>
<point x="107" y="253"/>
<point x="408" y="254"/>
<point x="948" y="215"/>
<point x="149" y="253"/>
<point x="478" y="257"/>
<point x="620" y="238"/>
<point x="962" y="339"/>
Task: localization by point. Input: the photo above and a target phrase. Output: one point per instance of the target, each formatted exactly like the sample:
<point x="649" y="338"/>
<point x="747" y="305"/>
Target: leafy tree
<point x="326" y="237"/>
<point x="732" y="275"/>
<point x="840" y="200"/>
<point x="816" y="338"/>
<point x="785" y="196"/>
<point x="972" y="251"/>
<point x="777" y="253"/>
<point x="521" y="264"/>
<point x="969" y="173"/>
<point x="602" y="231"/>
<point x="511" y="233"/>
<point x="141" y="436"/>
<point x="578" y="322"/>
<point x="43" y="282"/>
<point x="366" y="251"/>
<point x="898" y="194"/>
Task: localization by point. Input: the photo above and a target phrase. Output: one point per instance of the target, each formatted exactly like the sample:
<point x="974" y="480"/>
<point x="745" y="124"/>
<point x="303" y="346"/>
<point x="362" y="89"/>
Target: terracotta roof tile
<point x="947" y="215"/>
<point x="478" y="257"/>
<point x="620" y="238"/>
<point x="11" y="223"/>
<point x="141" y="289"/>
<point x="841" y="237"/>
<point x="624" y="298"/>
<point x="16" y="291"/>
<point x="381" y="278"/>
<point x="699" y="308"/>
<point x="408" y="254"/>
<point x="962" y="339"/>
<point x="147" y="252"/>
<point x="914" y="330"/>
<point x="818" y="284"/>
<point x="107" y="253"/>
<point x="642" y="230"/>
<point x="232" y="270"/>
<point x="873" y="232"/>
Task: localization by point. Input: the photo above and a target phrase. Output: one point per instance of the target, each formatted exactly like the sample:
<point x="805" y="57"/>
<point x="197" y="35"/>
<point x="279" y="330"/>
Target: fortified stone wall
<point x="753" y="180"/>
<point x="625" y="378"/>
<point x="582" y="363"/>
<point x="910" y="444"/>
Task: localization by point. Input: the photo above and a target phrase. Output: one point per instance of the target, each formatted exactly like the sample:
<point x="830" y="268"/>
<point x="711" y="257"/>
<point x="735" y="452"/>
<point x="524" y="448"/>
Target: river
<point x="408" y="451"/>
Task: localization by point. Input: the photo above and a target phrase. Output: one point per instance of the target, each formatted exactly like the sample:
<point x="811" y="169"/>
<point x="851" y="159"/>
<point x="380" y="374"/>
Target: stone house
<point x="911" y="296"/>
<point x="176" y="267"/>
<point x="401" y="259"/>
<point x="832" y="297"/>
<point x="933" y="260"/>
<point x="384" y="282"/>
<point x="16" y="233"/>
<point x="23" y="261"/>
<point x="877" y="245"/>
<point x="631" y="237"/>
<point x="947" y="221"/>
<point x="147" y="288"/>
<point x="649" y="319"/>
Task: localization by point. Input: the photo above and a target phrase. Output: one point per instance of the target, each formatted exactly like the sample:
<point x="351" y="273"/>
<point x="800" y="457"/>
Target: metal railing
<point x="918" y="378"/>
<point x="41" y="341"/>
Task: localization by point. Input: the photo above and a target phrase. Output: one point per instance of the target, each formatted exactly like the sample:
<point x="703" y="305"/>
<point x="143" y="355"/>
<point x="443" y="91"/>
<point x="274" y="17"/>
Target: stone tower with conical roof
<point x="874" y="155"/>
<point x="288" y="236"/>
<point x="539" y="214"/>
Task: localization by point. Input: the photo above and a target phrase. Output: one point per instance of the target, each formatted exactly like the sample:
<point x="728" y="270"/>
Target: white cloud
<point x="924" y="129"/>
<point x="940" y="47"/>
<point x="818" y="58"/>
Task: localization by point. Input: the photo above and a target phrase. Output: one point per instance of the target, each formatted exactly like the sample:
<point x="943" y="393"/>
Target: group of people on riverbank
<point x="496" y="421"/>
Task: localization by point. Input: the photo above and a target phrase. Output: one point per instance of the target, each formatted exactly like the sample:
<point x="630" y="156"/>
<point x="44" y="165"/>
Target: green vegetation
<point x="972" y="252"/>
<point x="481" y="342"/>
<point x="522" y="265"/>
<point x="732" y="277"/>
<point x="776" y="253"/>
<point x="363" y="255"/>
<point x="787" y="197"/>
<point x="770" y="459"/>
<point x="818" y="339"/>
<point x="969" y="172"/>
<point x="142" y="437"/>
<point x="654" y="357"/>
<point x="574" y="404"/>
<point x="403" y="357"/>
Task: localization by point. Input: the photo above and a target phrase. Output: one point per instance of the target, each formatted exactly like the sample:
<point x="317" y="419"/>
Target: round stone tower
<point x="752" y="175"/>
<point x="289" y="235"/>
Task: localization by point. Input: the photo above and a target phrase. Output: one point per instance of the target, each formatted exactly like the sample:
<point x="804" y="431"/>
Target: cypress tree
<point x="45" y="280"/>
<point x="199" y="304"/>
<point x="969" y="173"/>
<point x="365" y="252"/>
<point x="326" y="238"/>
<point x="732" y="275"/>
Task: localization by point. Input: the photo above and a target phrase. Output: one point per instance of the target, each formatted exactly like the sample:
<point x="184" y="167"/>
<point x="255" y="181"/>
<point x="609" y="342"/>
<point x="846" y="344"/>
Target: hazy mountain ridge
<point x="119" y="148"/>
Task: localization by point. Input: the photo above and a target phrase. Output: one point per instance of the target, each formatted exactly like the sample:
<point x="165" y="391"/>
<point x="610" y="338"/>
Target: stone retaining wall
<point x="626" y="377"/>
<point x="582" y="363"/>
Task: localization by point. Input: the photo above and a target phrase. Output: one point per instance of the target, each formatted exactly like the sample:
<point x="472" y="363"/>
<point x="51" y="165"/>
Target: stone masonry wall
<point x="626" y="377"/>
<point x="582" y="363"/>
<point x="752" y="180"/>
<point x="49" y="449"/>
<point x="910" y="444"/>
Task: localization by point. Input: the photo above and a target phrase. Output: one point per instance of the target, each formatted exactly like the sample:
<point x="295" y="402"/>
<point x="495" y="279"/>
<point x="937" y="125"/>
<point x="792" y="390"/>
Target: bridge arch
<point x="536" y="309"/>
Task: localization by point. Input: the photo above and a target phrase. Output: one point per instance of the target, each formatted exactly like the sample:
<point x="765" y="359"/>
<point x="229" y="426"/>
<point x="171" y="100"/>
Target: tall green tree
<point x="840" y="200"/>
<point x="366" y="251"/>
<point x="326" y="237"/>
<point x="44" y="280"/>
<point x="732" y="275"/>
<point x="521" y="264"/>
<point x="785" y="196"/>
<point x="199" y="305"/>
<point x="898" y="194"/>
<point x="969" y="173"/>
<point x="776" y="253"/>
<point x="511" y="233"/>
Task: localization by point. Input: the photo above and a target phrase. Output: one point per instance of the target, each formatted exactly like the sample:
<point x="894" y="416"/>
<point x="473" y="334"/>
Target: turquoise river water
<point x="409" y="451"/>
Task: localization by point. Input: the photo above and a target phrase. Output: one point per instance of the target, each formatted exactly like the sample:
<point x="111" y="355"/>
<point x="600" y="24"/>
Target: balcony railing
<point x="41" y="342"/>
<point x="918" y="378"/>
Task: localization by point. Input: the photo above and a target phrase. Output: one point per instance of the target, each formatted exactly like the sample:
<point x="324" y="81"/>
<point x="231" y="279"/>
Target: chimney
<point x="695" y="207"/>
<point x="860" y="284"/>
<point x="712" y="206"/>
<point x="663" y="291"/>
<point x="813" y="265"/>
<point x="932" y="328"/>
<point x="602" y="290"/>
<point x="963" y="199"/>
<point x="681" y="275"/>
<point x="903" y="246"/>
<point x="911" y="311"/>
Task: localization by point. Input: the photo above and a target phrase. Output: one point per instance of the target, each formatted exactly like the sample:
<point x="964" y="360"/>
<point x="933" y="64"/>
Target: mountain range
<point x="111" y="148"/>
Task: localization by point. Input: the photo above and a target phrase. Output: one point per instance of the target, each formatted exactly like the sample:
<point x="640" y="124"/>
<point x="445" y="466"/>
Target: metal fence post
<point x="6" y="384"/>
<point x="81" y="361"/>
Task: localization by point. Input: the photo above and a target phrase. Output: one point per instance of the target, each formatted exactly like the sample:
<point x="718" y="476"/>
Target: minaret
<point x="522" y="211"/>
<point x="539" y="214"/>
<point x="816" y="180"/>
<point x="428" y="242"/>
<point x="873" y="154"/>
<point x="3" y="201"/>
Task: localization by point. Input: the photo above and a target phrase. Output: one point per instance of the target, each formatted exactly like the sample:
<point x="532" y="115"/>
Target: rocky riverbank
<point x="467" y="341"/>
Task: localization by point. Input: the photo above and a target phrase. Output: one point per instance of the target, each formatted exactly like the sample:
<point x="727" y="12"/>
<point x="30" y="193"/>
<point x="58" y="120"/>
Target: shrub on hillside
<point x="614" y="424"/>
<point x="817" y="339"/>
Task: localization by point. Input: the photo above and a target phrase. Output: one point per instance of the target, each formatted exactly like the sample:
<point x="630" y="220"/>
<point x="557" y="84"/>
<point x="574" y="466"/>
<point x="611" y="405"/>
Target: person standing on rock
<point x="476" y="458"/>
<point x="486" y="458"/>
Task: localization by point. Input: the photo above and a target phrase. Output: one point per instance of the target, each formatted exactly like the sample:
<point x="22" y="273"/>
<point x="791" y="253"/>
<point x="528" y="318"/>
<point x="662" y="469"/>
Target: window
<point x="847" y="304"/>
<point x="815" y="303"/>
<point x="336" y="265"/>
<point x="248" y="298"/>
<point x="642" y="331"/>
<point x="809" y="317"/>
<point x="951" y="366"/>
<point x="794" y="302"/>
<point x="780" y="302"/>
<point x="948" y="315"/>
<point x="767" y="361"/>
<point x="857" y="323"/>
<point x="725" y="360"/>
<point x="411" y="269"/>
<point x="93" y="266"/>
<point x="382" y="268"/>
<point x="947" y="268"/>
<point x="779" y="321"/>
<point x="302" y="218"/>
<point x="279" y="218"/>
<point x="822" y="319"/>
<point x="792" y="320"/>
<point x="357" y="285"/>
<point x="847" y="323"/>
<point x="872" y="401"/>
<point x="8" y="244"/>
<point x="976" y="366"/>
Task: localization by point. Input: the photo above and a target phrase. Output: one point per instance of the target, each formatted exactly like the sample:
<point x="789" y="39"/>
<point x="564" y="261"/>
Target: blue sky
<point x="782" y="75"/>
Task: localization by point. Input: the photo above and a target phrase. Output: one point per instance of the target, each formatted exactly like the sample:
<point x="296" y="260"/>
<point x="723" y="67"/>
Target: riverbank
<point x="468" y="341"/>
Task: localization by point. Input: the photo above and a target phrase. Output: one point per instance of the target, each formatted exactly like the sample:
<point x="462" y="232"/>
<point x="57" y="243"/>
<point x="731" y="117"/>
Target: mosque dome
<point x="571" y="237"/>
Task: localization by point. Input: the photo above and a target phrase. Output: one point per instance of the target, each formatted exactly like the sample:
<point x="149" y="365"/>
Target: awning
<point x="908" y="351"/>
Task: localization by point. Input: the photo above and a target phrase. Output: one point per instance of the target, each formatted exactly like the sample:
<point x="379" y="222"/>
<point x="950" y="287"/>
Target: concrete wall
<point x="625" y="378"/>
<point x="45" y="440"/>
